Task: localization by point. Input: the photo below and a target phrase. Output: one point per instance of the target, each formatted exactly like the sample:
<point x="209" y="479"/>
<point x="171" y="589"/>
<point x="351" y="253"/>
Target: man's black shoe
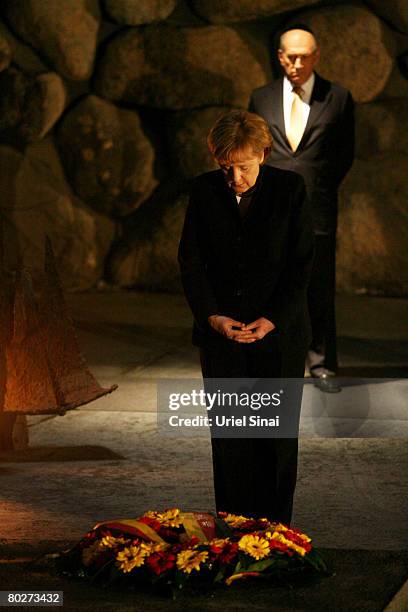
<point x="326" y="382"/>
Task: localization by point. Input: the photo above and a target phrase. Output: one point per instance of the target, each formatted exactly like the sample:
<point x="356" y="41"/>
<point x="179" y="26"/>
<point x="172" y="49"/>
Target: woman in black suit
<point x="245" y="257"/>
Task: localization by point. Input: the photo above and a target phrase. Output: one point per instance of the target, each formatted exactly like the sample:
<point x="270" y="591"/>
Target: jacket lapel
<point x="278" y="105"/>
<point x="318" y="102"/>
<point x="272" y="109"/>
<point x="225" y="195"/>
<point x="257" y="199"/>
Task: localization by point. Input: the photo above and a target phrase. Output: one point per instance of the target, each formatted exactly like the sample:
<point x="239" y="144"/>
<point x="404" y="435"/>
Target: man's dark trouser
<point x="321" y="301"/>
<point x="252" y="476"/>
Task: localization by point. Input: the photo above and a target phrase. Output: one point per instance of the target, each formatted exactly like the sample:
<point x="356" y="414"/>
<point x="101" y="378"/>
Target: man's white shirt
<point x="288" y="100"/>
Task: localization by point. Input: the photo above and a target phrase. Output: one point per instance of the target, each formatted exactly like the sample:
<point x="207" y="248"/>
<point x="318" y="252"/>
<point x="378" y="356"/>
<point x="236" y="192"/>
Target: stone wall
<point x="105" y="107"/>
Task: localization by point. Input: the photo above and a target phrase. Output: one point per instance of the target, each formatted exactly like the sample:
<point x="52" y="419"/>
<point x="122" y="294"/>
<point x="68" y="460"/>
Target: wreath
<point x="174" y="548"/>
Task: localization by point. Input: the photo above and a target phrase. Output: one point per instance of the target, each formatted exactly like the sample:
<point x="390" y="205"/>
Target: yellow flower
<point x="219" y="542"/>
<point x="131" y="557"/>
<point x="169" y="518"/>
<point x="151" y="514"/>
<point x="256" y="546"/>
<point x="235" y="520"/>
<point x="111" y="542"/>
<point x="187" y="560"/>
<point x="92" y="552"/>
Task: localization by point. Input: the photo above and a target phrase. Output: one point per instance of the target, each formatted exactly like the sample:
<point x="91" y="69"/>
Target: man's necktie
<point x="296" y="126"/>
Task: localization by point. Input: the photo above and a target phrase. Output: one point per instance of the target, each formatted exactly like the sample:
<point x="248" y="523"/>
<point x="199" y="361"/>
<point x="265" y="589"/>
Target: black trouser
<point x="252" y="476"/>
<point x="321" y="302"/>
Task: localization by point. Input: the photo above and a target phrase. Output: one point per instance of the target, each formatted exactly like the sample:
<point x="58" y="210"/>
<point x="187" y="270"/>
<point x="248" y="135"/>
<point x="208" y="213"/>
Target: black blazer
<point x="326" y="151"/>
<point x="248" y="268"/>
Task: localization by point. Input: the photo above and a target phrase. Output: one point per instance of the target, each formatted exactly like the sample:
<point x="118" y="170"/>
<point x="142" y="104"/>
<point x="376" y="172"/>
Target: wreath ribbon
<point x="133" y="527"/>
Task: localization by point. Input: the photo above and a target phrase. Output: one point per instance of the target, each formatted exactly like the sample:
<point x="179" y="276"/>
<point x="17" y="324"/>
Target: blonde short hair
<point x="238" y="130"/>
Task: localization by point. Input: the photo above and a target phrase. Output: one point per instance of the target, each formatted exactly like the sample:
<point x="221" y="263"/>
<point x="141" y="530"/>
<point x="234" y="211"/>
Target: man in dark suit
<point x="245" y="257"/>
<point x="312" y="124"/>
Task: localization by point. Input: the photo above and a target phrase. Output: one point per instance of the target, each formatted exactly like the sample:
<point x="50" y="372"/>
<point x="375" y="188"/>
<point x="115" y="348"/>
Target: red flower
<point x="161" y="561"/>
<point x="294" y="530"/>
<point x="228" y="553"/>
<point x="293" y="536"/>
<point x="249" y="525"/>
<point x="216" y="549"/>
<point x="281" y="546"/>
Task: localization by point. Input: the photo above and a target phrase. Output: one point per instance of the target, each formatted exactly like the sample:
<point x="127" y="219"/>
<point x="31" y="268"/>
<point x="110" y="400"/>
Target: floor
<point x="352" y="486"/>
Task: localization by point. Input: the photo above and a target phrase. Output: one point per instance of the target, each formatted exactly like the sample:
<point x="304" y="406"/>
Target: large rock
<point x="228" y="11"/>
<point x="184" y="15"/>
<point x="46" y="109"/>
<point x="107" y="156"/>
<point x="146" y="256"/>
<point x="37" y="202"/>
<point x="187" y="140"/>
<point x="357" y="48"/>
<point x="396" y="12"/>
<point x="23" y="55"/>
<point x="381" y="128"/>
<point x="396" y="86"/>
<point x="138" y="12"/>
<point x="5" y="53"/>
<point x="30" y="105"/>
<point x="372" y="254"/>
<point x="176" y="68"/>
<point x="13" y="87"/>
<point x="64" y="32"/>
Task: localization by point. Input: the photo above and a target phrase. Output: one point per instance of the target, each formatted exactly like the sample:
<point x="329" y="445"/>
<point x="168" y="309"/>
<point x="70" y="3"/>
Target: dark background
<point x="105" y="106"/>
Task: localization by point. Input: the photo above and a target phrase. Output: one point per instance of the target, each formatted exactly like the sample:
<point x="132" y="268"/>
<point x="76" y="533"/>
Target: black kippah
<point x="296" y="26"/>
